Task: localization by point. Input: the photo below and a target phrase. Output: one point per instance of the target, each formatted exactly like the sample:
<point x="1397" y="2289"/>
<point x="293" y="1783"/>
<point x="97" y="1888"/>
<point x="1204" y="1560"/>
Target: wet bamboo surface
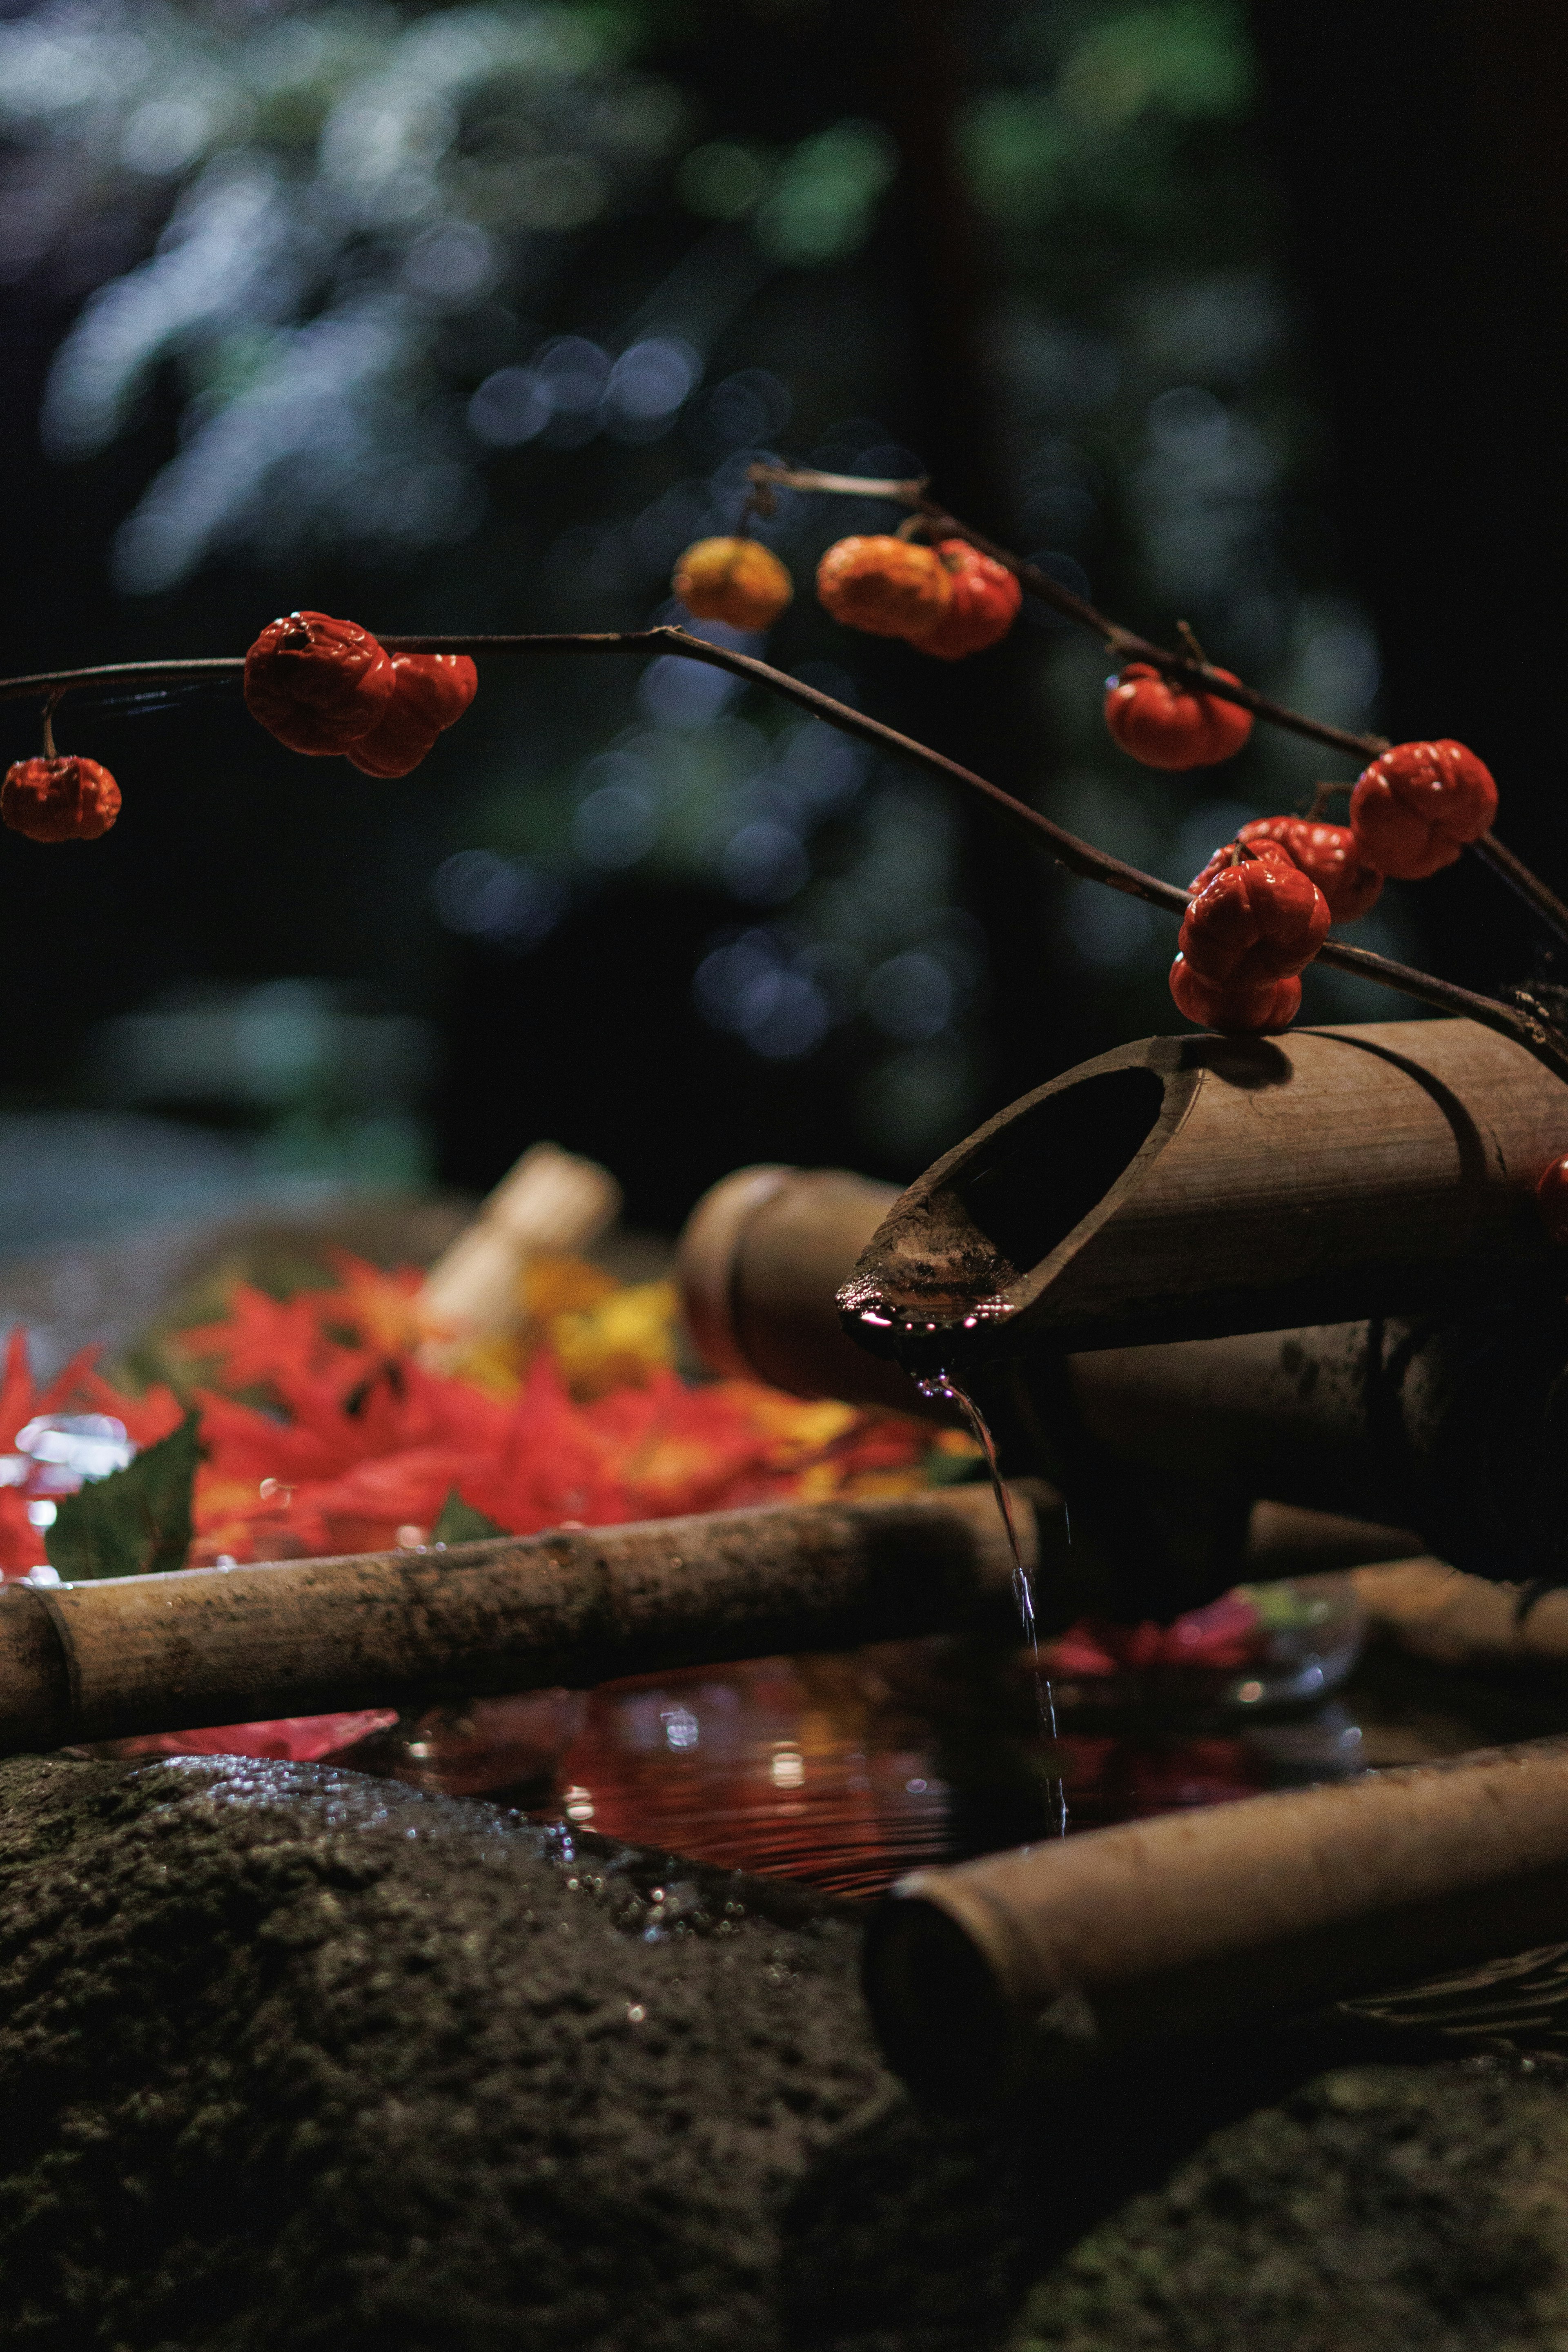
<point x="1431" y="1611"/>
<point x="574" y="1607"/>
<point x="1376" y="1168"/>
<point x="1033" y="1963"/>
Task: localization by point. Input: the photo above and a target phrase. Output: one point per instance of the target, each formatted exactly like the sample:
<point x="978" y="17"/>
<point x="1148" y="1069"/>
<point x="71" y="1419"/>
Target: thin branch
<point x="1080" y="857"/>
<point x="58" y="682"/>
<point x="1522" y="879"/>
<point x="1126" y="644"/>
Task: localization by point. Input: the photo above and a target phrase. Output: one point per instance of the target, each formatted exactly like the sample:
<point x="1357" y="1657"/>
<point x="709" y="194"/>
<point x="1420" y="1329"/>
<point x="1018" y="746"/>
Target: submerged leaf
<point x="137" y="1521"/>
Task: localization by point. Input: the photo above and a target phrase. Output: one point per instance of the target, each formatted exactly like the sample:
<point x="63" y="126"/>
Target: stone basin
<point x="291" y="2058"/>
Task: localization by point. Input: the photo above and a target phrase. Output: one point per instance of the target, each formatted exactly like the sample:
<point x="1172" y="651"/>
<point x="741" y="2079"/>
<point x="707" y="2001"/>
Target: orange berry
<point x="1326" y="852"/>
<point x="59" y="799"/>
<point x="736" y="580"/>
<point x="1255" y="922"/>
<point x="1169" y="725"/>
<point x="431" y="691"/>
<point x="982" y="609"/>
<point x="1235" y="1010"/>
<point x="317" y="684"/>
<point x="888" y="587"/>
<point x="1414" y="810"/>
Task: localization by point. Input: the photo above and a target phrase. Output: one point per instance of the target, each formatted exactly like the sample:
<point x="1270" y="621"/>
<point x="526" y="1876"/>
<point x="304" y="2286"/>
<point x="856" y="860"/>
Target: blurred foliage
<point x="487" y="308"/>
<point x="1105" y="130"/>
<point x="1162" y="438"/>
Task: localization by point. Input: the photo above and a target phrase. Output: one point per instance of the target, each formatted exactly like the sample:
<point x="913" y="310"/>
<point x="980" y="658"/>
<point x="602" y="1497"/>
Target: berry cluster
<point x="1255" y="922"/>
<point x="949" y="600"/>
<point x="322" y="686"/>
<point x="327" y="687"/>
<point x="1410" y="813"/>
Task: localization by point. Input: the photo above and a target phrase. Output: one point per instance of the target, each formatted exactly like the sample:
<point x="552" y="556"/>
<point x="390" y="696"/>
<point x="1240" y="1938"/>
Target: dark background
<point x="1413" y="205"/>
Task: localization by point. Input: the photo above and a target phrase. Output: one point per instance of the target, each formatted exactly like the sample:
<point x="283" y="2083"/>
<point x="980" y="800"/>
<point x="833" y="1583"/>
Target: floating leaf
<point x="460" y="1523"/>
<point x="137" y="1521"/>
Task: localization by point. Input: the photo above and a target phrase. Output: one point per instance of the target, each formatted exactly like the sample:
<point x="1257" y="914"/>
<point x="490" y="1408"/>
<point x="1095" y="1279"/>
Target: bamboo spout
<point x="1184" y="1188"/>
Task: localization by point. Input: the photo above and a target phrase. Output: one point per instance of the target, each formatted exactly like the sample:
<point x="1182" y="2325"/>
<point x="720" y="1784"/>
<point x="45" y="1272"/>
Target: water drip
<point x="936" y="1386"/>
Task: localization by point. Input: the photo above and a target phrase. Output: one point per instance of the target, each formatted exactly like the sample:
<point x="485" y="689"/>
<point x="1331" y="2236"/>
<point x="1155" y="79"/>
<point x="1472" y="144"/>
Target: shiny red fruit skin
<point x="437" y="687"/>
<point x="432" y="690"/>
<point x="983" y="608"/>
<point x="1271" y="851"/>
<point x="1327" y="853"/>
<point x="1236" y="1012"/>
<point x="1551" y="1200"/>
<point x="1257" y="921"/>
<point x="59" y="799"/>
<point x="316" y="683"/>
<point x="1415" y="807"/>
<point x="1165" y="725"/>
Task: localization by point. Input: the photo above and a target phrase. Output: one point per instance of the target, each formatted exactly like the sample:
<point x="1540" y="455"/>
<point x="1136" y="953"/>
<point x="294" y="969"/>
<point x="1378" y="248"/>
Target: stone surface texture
<point x="1385" y="2207"/>
<point x="295" y="2060"/>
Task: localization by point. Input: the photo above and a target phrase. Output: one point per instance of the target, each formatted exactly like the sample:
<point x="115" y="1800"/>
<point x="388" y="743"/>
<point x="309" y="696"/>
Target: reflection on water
<point x="844" y="1771"/>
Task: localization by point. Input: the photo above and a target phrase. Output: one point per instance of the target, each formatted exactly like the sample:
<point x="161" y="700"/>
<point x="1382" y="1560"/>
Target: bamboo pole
<point x="761" y="1260"/>
<point x="138" y="1653"/>
<point x="1433" y="1611"/>
<point x="549" y="1201"/>
<point x="995" y="1976"/>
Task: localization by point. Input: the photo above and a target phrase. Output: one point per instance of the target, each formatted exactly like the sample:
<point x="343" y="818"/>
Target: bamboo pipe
<point x="765" y="1250"/>
<point x="1003" y="1972"/>
<point x="550" y="1199"/>
<point x="1430" y="1611"/>
<point x="1190" y="1186"/>
<point x="759" y="1262"/>
<point x="137" y="1653"/>
<point x="1294" y="1418"/>
<point x="1448" y="1424"/>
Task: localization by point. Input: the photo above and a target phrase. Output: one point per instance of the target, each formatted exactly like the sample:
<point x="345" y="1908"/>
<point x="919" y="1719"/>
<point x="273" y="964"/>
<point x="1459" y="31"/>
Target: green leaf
<point x="460" y="1523"/>
<point x="952" y="1469"/>
<point x="136" y="1522"/>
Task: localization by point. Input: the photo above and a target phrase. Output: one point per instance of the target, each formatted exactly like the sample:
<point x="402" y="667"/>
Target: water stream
<point x="940" y="1384"/>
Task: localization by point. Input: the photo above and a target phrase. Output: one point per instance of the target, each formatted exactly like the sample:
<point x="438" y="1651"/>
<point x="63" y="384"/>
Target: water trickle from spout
<point x="938" y="1384"/>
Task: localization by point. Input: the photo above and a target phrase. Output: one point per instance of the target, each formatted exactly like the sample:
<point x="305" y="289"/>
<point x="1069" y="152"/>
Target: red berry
<point x="1167" y="725"/>
<point x="317" y="684"/>
<point x="59" y="799"/>
<point x="1225" y="858"/>
<point x="982" y="609"/>
<point x="1236" y="1012"/>
<point x="1325" y="852"/>
<point x="1255" y="921"/>
<point x="886" y="586"/>
<point x="1413" y="808"/>
<point x="1552" y="1199"/>
<point x="431" y="691"/>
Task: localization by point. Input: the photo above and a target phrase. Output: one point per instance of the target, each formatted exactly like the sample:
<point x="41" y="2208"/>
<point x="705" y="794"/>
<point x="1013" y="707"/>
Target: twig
<point x="1127" y="645"/>
<point x="1520" y="877"/>
<point x="60" y="682"/>
<point x="1080" y="857"/>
